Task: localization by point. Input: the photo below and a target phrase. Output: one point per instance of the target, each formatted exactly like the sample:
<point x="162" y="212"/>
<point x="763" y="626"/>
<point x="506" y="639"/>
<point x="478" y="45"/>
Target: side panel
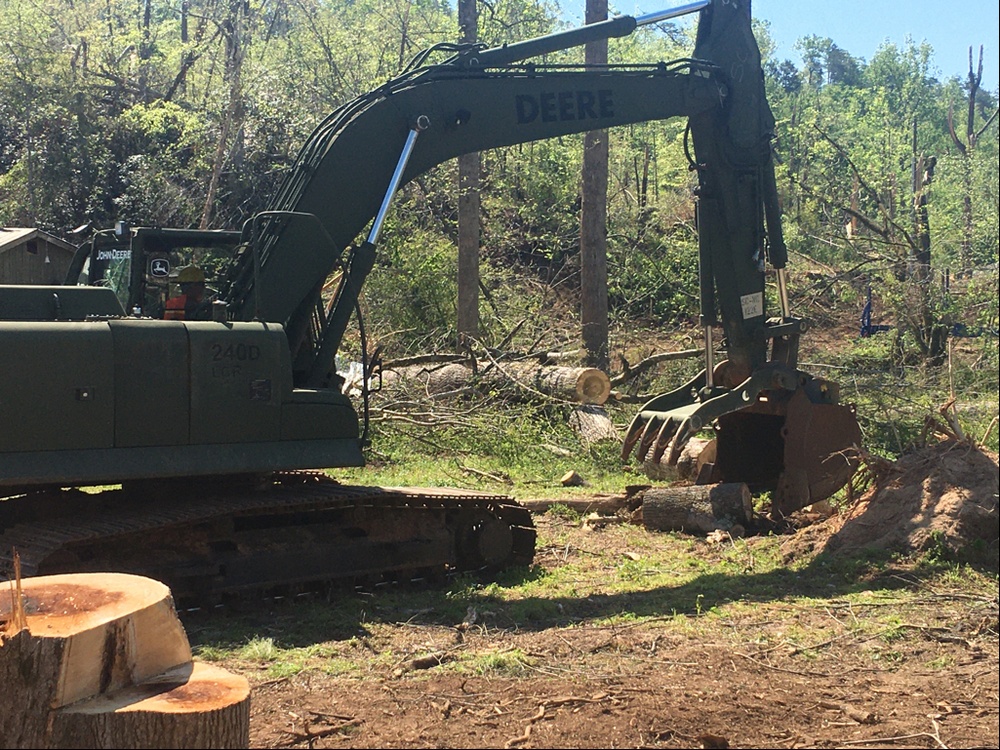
<point x="152" y="383"/>
<point x="56" y="302"/>
<point x="240" y="375"/>
<point x="57" y="386"/>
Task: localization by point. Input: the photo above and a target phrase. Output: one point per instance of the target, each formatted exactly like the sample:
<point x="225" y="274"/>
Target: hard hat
<point x="189" y="275"/>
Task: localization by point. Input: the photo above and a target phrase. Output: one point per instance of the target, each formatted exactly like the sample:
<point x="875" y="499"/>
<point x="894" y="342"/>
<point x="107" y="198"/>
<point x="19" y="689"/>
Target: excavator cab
<point x="141" y="264"/>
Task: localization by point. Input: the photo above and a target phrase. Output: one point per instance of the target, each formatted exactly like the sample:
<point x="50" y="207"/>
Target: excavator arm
<point x="777" y="428"/>
<point x="475" y="100"/>
<point x="484" y="98"/>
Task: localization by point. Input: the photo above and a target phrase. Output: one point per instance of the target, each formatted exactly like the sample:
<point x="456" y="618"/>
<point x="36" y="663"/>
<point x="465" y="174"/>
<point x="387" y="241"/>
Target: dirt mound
<point x="943" y="496"/>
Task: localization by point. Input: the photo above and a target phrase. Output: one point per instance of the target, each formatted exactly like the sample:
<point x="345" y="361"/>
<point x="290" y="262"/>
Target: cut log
<point x="94" y="644"/>
<point x="697" y="453"/>
<point x="592" y="423"/>
<point x="585" y="385"/>
<point x="595" y="504"/>
<point x="697" y="509"/>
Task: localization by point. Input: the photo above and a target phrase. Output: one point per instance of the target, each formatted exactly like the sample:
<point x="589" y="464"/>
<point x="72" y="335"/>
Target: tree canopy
<point x="188" y="113"/>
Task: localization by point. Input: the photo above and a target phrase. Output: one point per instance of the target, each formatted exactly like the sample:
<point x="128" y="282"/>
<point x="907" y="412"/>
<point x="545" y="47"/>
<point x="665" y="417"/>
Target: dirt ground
<point x="739" y="682"/>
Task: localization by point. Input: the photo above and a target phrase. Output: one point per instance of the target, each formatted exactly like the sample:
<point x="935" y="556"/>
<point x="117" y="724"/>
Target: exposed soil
<point x="942" y="497"/>
<point x="740" y="682"/>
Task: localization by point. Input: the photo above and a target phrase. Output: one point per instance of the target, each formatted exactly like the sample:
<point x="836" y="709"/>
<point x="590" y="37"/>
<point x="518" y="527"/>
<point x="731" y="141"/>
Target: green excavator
<point x="187" y="449"/>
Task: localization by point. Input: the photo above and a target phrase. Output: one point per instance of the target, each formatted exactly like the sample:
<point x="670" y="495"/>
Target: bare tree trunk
<point x="931" y="334"/>
<point x="468" y="210"/>
<point x="594" y="219"/>
<point x="966" y="149"/>
<point x="232" y="122"/>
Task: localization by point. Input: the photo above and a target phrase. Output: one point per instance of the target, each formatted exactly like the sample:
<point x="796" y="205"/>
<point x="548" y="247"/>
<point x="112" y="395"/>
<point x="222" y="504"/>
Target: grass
<point x="742" y="590"/>
<point x="679" y="586"/>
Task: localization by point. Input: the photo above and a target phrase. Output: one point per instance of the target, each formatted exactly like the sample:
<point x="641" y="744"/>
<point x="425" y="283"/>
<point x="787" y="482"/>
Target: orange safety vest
<point x="175" y="308"/>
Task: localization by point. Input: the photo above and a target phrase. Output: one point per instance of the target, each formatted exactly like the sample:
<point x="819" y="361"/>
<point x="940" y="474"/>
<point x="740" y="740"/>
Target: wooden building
<point x="31" y="256"/>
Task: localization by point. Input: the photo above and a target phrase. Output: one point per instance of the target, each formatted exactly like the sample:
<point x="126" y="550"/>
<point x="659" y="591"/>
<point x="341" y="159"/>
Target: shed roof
<point x="13" y="236"/>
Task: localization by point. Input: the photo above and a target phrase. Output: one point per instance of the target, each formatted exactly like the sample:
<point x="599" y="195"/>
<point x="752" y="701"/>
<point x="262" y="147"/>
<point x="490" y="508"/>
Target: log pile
<point x="101" y="660"/>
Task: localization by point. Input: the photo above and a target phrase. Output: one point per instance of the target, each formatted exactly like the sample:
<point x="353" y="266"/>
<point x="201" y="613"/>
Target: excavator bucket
<point x="796" y="442"/>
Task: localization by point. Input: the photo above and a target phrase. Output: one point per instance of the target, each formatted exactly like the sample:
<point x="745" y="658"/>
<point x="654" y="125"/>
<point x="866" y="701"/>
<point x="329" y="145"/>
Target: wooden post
<point x="101" y="660"/>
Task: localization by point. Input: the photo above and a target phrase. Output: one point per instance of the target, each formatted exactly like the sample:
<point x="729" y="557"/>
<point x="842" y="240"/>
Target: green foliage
<point x="414" y="289"/>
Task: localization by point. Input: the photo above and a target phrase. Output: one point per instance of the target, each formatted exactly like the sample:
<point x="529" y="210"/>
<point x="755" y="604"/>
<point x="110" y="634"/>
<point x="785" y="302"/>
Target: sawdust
<point x="942" y="498"/>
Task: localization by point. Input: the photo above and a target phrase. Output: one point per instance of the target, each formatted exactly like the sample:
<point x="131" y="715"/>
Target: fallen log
<point x="698" y="453"/>
<point x="101" y="660"/>
<point x="586" y="385"/>
<point x="697" y="509"/>
<point x="592" y="423"/>
<point x="606" y="504"/>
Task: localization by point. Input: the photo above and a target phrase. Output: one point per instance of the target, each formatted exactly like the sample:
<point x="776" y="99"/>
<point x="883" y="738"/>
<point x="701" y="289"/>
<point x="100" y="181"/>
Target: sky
<point x="860" y="26"/>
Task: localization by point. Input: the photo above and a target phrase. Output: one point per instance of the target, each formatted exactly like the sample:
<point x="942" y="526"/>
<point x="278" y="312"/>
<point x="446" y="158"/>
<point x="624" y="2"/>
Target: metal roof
<point x="12" y="236"/>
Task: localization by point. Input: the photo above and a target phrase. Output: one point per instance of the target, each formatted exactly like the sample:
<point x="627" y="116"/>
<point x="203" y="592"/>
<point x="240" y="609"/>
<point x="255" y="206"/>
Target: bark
<point x="594" y="218"/>
<point x="592" y="423"/>
<point x="586" y="385"/>
<point x="697" y="509"/>
<point x="468" y="210"/>
<point x="102" y="660"/>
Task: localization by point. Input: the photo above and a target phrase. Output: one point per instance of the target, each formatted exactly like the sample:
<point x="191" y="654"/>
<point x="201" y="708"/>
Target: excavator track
<point x="299" y="531"/>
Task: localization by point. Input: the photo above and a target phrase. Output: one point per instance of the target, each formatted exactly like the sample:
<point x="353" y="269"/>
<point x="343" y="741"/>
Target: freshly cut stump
<point x="194" y="705"/>
<point x="102" y="660"/>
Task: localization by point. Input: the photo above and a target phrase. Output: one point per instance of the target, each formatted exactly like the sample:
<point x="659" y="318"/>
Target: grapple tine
<point x="663" y="438"/>
<point x="632" y="436"/>
<point x="652" y="426"/>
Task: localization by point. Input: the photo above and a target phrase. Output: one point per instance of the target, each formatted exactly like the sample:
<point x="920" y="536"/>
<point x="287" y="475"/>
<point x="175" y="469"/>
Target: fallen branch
<point x="630" y="372"/>
<point x="935" y="735"/>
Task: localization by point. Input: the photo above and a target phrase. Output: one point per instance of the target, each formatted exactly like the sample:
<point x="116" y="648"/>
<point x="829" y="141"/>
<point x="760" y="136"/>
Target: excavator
<point x="192" y="450"/>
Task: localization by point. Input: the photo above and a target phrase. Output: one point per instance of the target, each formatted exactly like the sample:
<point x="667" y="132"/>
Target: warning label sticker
<point x="753" y="305"/>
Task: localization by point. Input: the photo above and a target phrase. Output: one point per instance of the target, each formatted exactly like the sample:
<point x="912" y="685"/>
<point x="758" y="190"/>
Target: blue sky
<point x="860" y="27"/>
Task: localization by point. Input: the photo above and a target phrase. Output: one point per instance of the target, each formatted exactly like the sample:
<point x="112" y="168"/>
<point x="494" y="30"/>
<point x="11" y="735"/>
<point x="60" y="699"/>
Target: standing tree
<point x="966" y="148"/>
<point x="234" y="30"/>
<point x="594" y="218"/>
<point x="468" y="209"/>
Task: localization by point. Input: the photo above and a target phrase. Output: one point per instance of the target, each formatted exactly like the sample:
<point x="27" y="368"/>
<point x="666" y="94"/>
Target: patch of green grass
<point x="259" y="649"/>
<point x="504" y="663"/>
<point x="560" y="510"/>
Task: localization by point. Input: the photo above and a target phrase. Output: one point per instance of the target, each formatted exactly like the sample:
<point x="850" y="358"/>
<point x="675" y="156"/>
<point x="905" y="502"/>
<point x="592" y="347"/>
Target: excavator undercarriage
<point x="247" y="536"/>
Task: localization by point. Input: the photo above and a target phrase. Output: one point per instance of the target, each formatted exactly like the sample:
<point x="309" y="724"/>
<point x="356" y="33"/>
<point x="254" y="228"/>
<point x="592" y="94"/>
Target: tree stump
<point x="101" y="660"/>
<point x="697" y="509"/>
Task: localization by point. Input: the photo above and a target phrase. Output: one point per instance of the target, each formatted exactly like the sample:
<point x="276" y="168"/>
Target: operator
<point x="190" y="304"/>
